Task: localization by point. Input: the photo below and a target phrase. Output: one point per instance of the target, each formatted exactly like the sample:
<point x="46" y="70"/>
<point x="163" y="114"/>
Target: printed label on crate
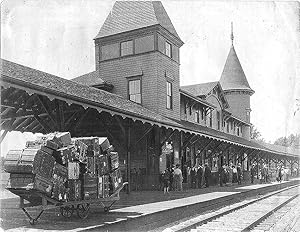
<point x="73" y="170"/>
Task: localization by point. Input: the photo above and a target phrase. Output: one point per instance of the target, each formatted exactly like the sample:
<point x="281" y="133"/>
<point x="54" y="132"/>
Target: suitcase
<point x="104" y="144"/>
<point x="38" y="162"/>
<point x="42" y="184"/>
<point x="64" y="138"/>
<point x="89" y="180"/>
<point x="60" y="173"/>
<point x="65" y="155"/>
<point x="92" y="144"/>
<point x="90" y="186"/>
<point x="103" y="186"/>
<point x="35" y="145"/>
<point x="17" y="180"/>
<point x="60" y="177"/>
<point x="12" y="160"/>
<point x="41" y="141"/>
<point x="113" y="160"/>
<point x="102" y="165"/>
<point x="116" y="180"/>
<point x="80" y="151"/>
<point x="74" y="190"/>
<point x="91" y="165"/>
<point x="73" y="170"/>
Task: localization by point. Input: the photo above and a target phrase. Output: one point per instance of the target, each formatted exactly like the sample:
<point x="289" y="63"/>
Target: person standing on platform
<point x="207" y="173"/>
<point x="279" y="174"/>
<point x="171" y="170"/>
<point x="221" y="175"/>
<point x="239" y="173"/>
<point x="166" y="181"/>
<point x="199" y="176"/>
<point x="188" y="177"/>
<point x="193" y="176"/>
<point x="252" y="173"/>
<point x="178" y="178"/>
<point x="234" y="174"/>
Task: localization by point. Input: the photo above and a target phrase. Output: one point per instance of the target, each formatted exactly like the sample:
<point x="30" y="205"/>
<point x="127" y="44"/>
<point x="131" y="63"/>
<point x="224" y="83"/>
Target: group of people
<point x="171" y="179"/>
<point x="230" y="173"/>
<point x="197" y="177"/>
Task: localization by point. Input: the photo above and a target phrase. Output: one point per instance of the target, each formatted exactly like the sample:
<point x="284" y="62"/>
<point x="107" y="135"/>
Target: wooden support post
<point x="3" y="135"/>
<point x="46" y="108"/>
<point x="181" y="146"/>
<point x="128" y="161"/>
<point x="144" y="134"/>
<point x="167" y="138"/>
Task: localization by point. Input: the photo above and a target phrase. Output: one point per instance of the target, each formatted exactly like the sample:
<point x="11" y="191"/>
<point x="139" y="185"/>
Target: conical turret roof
<point x="233" y="76"/>
<point x="132" y="15"/>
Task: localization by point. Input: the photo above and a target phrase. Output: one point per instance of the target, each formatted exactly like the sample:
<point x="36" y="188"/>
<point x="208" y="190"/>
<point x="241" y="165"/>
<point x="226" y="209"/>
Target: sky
<point x="56" y="36"/>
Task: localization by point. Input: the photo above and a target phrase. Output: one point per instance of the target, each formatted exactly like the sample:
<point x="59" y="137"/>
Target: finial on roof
<point x="232" y="37"/>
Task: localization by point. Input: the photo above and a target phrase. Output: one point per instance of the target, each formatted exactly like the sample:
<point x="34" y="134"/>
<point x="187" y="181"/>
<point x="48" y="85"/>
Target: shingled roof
<point x="132" y="15"/>
<point x="199" y="89"/>
<point x="90" y="79"/>
<point x="233" y="76"/>
<point x="71" y="91"/>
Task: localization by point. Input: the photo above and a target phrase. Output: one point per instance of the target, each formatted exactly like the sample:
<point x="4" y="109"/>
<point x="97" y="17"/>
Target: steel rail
<point x="211" y="218"/>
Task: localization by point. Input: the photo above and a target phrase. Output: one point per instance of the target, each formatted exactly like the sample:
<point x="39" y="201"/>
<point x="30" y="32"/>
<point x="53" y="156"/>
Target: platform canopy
<point x="35" y="101"/>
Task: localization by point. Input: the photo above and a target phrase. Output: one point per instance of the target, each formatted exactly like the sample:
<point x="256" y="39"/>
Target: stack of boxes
<point x="65" y="168"/>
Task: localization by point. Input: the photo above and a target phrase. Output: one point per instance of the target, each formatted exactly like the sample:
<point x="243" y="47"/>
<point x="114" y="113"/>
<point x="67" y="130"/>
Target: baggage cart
<point x="41" y="202"/>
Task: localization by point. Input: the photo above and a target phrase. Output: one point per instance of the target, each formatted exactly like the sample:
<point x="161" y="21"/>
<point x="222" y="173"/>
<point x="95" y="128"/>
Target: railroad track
<point x="256" y="214"/>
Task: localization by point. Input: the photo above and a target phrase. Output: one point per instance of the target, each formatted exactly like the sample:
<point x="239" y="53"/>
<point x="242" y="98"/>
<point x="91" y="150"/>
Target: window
<point x="185" y="105"/>
<point x="218" y="120"/>
<point x="135" y="94"/>
<point x="210" y="118"/>
<point x="168" y="49"/>
<point x="197" y="115"/>
<point x="227" y="127"/>
<point x="169" y="95"/>
<point x="238" y="131"/>
<point x="127" y="48"/>
<point x="202" y="113"/>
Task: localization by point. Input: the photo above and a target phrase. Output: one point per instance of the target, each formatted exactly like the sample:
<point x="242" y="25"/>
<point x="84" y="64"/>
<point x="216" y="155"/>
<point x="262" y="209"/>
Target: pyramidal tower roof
<point x="233" y="76"/>
<point x="132" y="15"/>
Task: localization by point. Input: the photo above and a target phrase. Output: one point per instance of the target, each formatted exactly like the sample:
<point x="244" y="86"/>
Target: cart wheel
<point x="32" y="221"/>
<point x="106" y="209"/>
<point x="67" y="211"/>
<point x="83" y="210"/>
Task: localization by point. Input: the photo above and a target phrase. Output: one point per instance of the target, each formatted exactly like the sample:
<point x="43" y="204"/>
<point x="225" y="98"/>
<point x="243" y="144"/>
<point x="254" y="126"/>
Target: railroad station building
<point x="134" y="97"/>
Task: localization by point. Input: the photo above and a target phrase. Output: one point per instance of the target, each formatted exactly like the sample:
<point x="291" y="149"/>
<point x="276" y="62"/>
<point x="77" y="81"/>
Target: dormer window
<point x="127" y="48"/>
<point x="168" y="49"/>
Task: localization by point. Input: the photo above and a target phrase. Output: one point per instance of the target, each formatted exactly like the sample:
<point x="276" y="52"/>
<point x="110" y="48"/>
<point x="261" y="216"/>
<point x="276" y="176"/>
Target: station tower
<point x="235" y="85"/>
<point x="137" y="51"/>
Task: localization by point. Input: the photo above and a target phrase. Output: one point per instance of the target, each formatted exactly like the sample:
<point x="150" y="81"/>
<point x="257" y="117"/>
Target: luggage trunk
<point x="74" y="190"/>
<point x="12" y="160"/>
<point x="103" y="186"/>
<point x="60" y="177"/>
<point x="102" y="165"/>
<point x="90" y="187"/>
<point x="116" y="180"/>
<point x="113" y="160"/>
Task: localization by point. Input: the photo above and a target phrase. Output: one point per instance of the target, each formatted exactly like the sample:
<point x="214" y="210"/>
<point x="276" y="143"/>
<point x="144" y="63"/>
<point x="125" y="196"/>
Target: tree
<point x="256" y="135"/>
<point x="290" y="141"/>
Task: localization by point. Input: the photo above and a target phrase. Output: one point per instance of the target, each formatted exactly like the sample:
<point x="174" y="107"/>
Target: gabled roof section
<point x="233" y="76"/>
<point x="89" y="79"/>
<point x="47" y="84"/>
<point x="131" y="15"/>
<point x="200" y="89"/>
<point x="202" y="101"/>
